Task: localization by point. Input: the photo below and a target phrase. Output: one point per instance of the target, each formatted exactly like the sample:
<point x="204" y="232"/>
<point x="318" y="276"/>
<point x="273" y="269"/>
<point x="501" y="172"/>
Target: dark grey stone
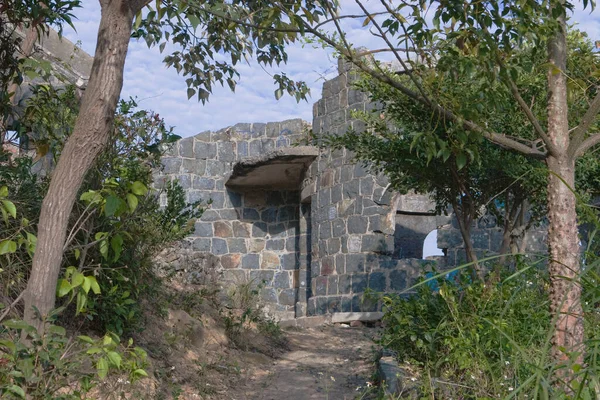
<point x="237" y="245"/>
<point x="269" y="215"/>
<point x="268" y="295"/>
<point x="325" y="231"/>
<point x="351" y="189"/>
<point x="259" y="229"/>
<point x="185" y="181"/>
<point x="359" y="283"/>
<point x="377" y="281"/>
<point x="203" y="229"/>
<point x="334" y="304"/>
<point x="398" y="280"/>
<point x="366" y="186"/>
<point x="377" y="243"/>
<point x="360" y="171"/>
<point x="281" y="280"/>
<point x="289" y="261"/>
<point x="242" y="150"/>
<point x="216" y="168"/>
<point x="275" y="198"/>
<point x="338" y="227"/>
<point x="226" y="151"/>
<point x="321" y="286"/>
<point x="250" y="261"/>
<point x="202" y="244"/>
<point x="203" y="183"/>
<point x="234" y="198"/>
<point x="217" y="199"/>
<point x="210" y="215"/>
<point x="344" y="284"/>
<point x="355" y="263"/>
<point x="277" y="230"/>
<point x="171" y="165"/>
<point x="205" y="150"/>
<point x="287" y="297"/>
<point x="275" y="244"/>
<point x="197" y="167"/>
<point x="357" y="224"/>
<point x="186" y="147"/>
<point x="336" y="194"/>
<point x="332" y="285"/>
<point x="219" y="246"/>
<point x="251" y="214"/>
<point x="262" y="277"/>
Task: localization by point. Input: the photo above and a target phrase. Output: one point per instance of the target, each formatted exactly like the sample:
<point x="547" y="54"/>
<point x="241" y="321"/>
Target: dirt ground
<point x="333" y="362"/>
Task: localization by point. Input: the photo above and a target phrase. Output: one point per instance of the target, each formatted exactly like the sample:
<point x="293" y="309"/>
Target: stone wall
<point x="253" y="234"/>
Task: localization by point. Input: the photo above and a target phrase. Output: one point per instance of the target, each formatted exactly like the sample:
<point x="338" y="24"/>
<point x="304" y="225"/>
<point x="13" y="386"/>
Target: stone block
<point x="202" y="244"/>
<point x="354" y="243"/>
<point x="210" y="215"/>
<point x="360" y="171"/>
<point x="268" y="295"/>
<point x="398" y="280"/>
<point x="320" y="286"/>
<point x="219" y="247"/>
<point x="261" y="277"/>
<point x="203" y="229"/>
<point x="357" y="224"/>
<point x="334" y="304"/>
<point x="185" y="181"/>
<point x="203" y="183"/>
<point x="217" y="168"/>
<point x="205" y="150"/>
<point x="355" y="263"/>
<point x="333" y="245"/>
<point x="229" y="214"/>
<point x="269" y="215"/>
<point x="351" y="189"/>
<point x="338" y="227"/>
<point x="251" y="214"/>
<point x="336" y="194"/>
<point x="327" y="265"/>
<point x="250" y="261"/>
<point x="322" y="305"/>
<point x="256" y="245"/>
<point x="270" y="260"/>
<point x="324" y="231"/>
<point x="340" y="264"/>
<point x="290" y="244"/>
<point x="231" y="261"/>
<point x="332" y="285"/>
<point x="226" y="151"/>
<point x="377" y="281"/>
<point x="186" y="147"/>
<point x="377" y="243"/>
<point x="236" y="276"/>
<point x="242" y="149"/>
<point x="281" y="280"/>
<point x="237" y="245"/>
<point x="223" y="229"/>
<point x="171" y="165"/>
<point x="359" y="282"/>
<point x="274" y="199"/>
<point x="346" y="304"/>
<point x="277" y="230"/>
<point x="366" y="186"/>
<point x="287" y="297"/>
<point x="480" y="239"/>
<point x="449" y="238"/>
<point x="289" y="261"/>
<point x="259" y="229"/>
<point x="275" y="244"/>
<point x="241" y="229"/>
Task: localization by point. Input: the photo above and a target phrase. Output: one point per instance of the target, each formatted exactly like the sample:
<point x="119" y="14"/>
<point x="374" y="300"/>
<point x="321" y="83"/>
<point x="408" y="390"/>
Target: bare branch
<point x="532" y="118"/>
<point x="11" y="305"/>
<point x="587" y="144"/>
<point x="576" y="147"/>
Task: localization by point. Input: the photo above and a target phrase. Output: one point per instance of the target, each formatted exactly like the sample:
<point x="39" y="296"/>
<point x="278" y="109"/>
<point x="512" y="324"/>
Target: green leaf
<point x="64" y="287"/>
<point x="461" y="160"/>
<point x="132" y="201"/>
<point x="139" y="372"/>
<point x="16" y="324"/>
<point x="85" y="339"/>
<point x="3" y="191"/>
<point x="94" y="284"/>
<point x="16" y="390"/>
<point x="8" y="344"/>
<point x="116" y="243"/>
<point x="115" y="358"/>
<point x="8" y="246"/>
<point x="111" y="206"/>
<point x="102" y="367"/>
<point x="10" y="207"/>
<point x="81" y="302"/>
<point x="138" y="188"/>
<point x="77" y="254"/>
<point x="278" y="94"/>
<point x="86" y="285"/>
<point x="77" y="279"/>
<point x="57" y="330"/>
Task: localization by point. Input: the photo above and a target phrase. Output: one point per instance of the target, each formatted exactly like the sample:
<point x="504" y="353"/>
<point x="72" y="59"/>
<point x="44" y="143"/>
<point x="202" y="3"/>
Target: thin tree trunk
<point x="89" y="138"/>
<point x="563" y="238"/>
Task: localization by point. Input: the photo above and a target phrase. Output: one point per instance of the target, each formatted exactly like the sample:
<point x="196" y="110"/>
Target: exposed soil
<point x="333" y="362"/>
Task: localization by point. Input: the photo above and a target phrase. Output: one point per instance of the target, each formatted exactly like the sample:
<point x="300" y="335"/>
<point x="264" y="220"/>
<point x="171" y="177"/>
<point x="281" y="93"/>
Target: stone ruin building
<point x="310" y="227"/>
<point x="314" y="229"/>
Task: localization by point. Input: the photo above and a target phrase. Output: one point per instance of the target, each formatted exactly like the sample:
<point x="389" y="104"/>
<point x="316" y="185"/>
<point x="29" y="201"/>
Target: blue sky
<point x="162" y="90"/>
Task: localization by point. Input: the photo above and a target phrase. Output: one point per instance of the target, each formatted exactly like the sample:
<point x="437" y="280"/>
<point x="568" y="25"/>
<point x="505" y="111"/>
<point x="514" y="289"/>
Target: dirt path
<point x="323" y="363"/>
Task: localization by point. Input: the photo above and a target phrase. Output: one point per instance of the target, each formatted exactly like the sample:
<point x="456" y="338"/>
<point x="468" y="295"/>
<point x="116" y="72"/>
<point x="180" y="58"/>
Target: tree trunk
<point x="563" y="238"/>
<point x="88" y="139"/>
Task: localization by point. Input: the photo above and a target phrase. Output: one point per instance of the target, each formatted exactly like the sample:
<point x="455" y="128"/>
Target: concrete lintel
<point x="281" y="169"/>
<point x="345" y="317"/>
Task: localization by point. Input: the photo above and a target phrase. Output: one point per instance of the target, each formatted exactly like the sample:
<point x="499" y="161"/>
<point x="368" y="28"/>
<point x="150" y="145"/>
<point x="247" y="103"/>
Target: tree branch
<point x="587" y="144"/>
<point x="576" y="147"/>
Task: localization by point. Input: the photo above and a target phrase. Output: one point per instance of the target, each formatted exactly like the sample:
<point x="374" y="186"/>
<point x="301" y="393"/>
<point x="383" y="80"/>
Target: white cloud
<point x="162" y="90"/>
